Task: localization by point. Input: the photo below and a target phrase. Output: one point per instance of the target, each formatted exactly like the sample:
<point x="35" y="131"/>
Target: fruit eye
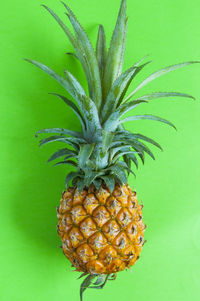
<point x="133" y="229"/>
<point x="122" y="243"/>
<point x="140" y="239"/>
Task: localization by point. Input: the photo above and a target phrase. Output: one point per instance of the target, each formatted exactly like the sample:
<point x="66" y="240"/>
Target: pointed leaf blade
<point x="148" y="117"/>
<point x="125" y="108"/>
<point x="85" y="153"/>
<point x="90" y="177"/>
<point x="73" y="107"/>
<point x="85" y="284"/>
<point x="90" y="57"/>
<point x="119" y="172"/>
<point x="62" y="152"/>
<point x="90" y="112"/>
<point x="101" y="50"/>
<point x="121" y="154"/>
<point x="60" y="131"/>
<point x="80" y="184"/>
<point x="158" y="74"/>
<point x="70" y="84"/>
<point x="142" y="137"/>
<point x="68" y="162"/>
<point x="69" y="177"/>
<point x="115" y="92"/>
<point x="165" y="94"/>
<point x="129" y="136"/>
<point x="97" y="183"/>
<point x="138" y="69"/>
<point x="76" y="45"/>
<point x="107" y="138"/>
<point x="113" y="120"/>
<point x="133" y="158"/>
<point x="123" y="165"/>
<point x="127" y="160"/>
<point x="74" y="142"/>
<point x="100" y="279"/>
<point x="115" y="55"/>
<point x="110" y="182"/>
<point x="145" y="148"/>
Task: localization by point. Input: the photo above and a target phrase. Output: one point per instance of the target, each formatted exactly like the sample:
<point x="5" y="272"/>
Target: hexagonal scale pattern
<point x="101" y="232"/>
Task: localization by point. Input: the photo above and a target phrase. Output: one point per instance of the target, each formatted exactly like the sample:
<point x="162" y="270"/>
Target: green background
<point x="32" y="264"/>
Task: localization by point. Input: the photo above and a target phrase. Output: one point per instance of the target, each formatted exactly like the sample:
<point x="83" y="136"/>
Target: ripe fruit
<point x="99" y="218"/>
<point x="101" y="232"/>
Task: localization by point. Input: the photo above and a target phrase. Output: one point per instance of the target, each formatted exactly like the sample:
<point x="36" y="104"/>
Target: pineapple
<point x="100" y="220"/>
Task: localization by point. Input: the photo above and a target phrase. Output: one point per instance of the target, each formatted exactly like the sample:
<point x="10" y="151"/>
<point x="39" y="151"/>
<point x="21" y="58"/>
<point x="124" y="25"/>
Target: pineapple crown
<point x="103" y="150"/>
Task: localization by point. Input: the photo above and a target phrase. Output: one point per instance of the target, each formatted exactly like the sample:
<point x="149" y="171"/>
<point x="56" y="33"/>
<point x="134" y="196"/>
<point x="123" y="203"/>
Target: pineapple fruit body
<point x="101" y="232"/>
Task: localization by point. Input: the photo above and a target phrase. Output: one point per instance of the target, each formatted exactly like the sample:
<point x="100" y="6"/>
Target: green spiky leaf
<point x="97" y="183"/>
<point x="61" y="131"/>
<point x="92" y="117"/>
<point x="102" y="279"/>
<point x="158" y="74"/>
<point x="80" y="184"/>
<point x="84" y="154"/>
<point x="67" y="162"/>
<point x="82" y="275"/>
<point x="114" y="119"/>
<point x="90" y="177"/>
<point x="118" y="172"/>
<point x="138" y="69"/>
<point x="122" y="164"/>
<point x="165" y="94"/>
<point x="138" y="149"/>
<point x="120" y="146"/>
<point x="90" y="57"/>
<point x="73" y="55"/>
<point x="112" y="276"/>
<point x="70" y="84"/>
<point x="72" y="141"/>
<point x="77" y="46"/>
<point x="133" y="158"/>
<point x="116" y="92"/>
<point x="120" y="154"/>
<point x="63" y="152"/>
<point x="125" y="108"/>
<point x="107" y="138"/>
<point x="145" y="148"/>
<point x="74" y="108"/>
<point x="147" y="117"/>
<point x="127" y="160"/>
<point x="101" y="52"/>
<point x="116" y="51"/>
<point x="128" y="135"/>
<point x="110" y="182"/>
<point x="85" y="284"/>
<point x="70" y="177"/>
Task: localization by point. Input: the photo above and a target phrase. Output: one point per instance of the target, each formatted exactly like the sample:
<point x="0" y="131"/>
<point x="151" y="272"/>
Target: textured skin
<point x="101" y="232"/>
